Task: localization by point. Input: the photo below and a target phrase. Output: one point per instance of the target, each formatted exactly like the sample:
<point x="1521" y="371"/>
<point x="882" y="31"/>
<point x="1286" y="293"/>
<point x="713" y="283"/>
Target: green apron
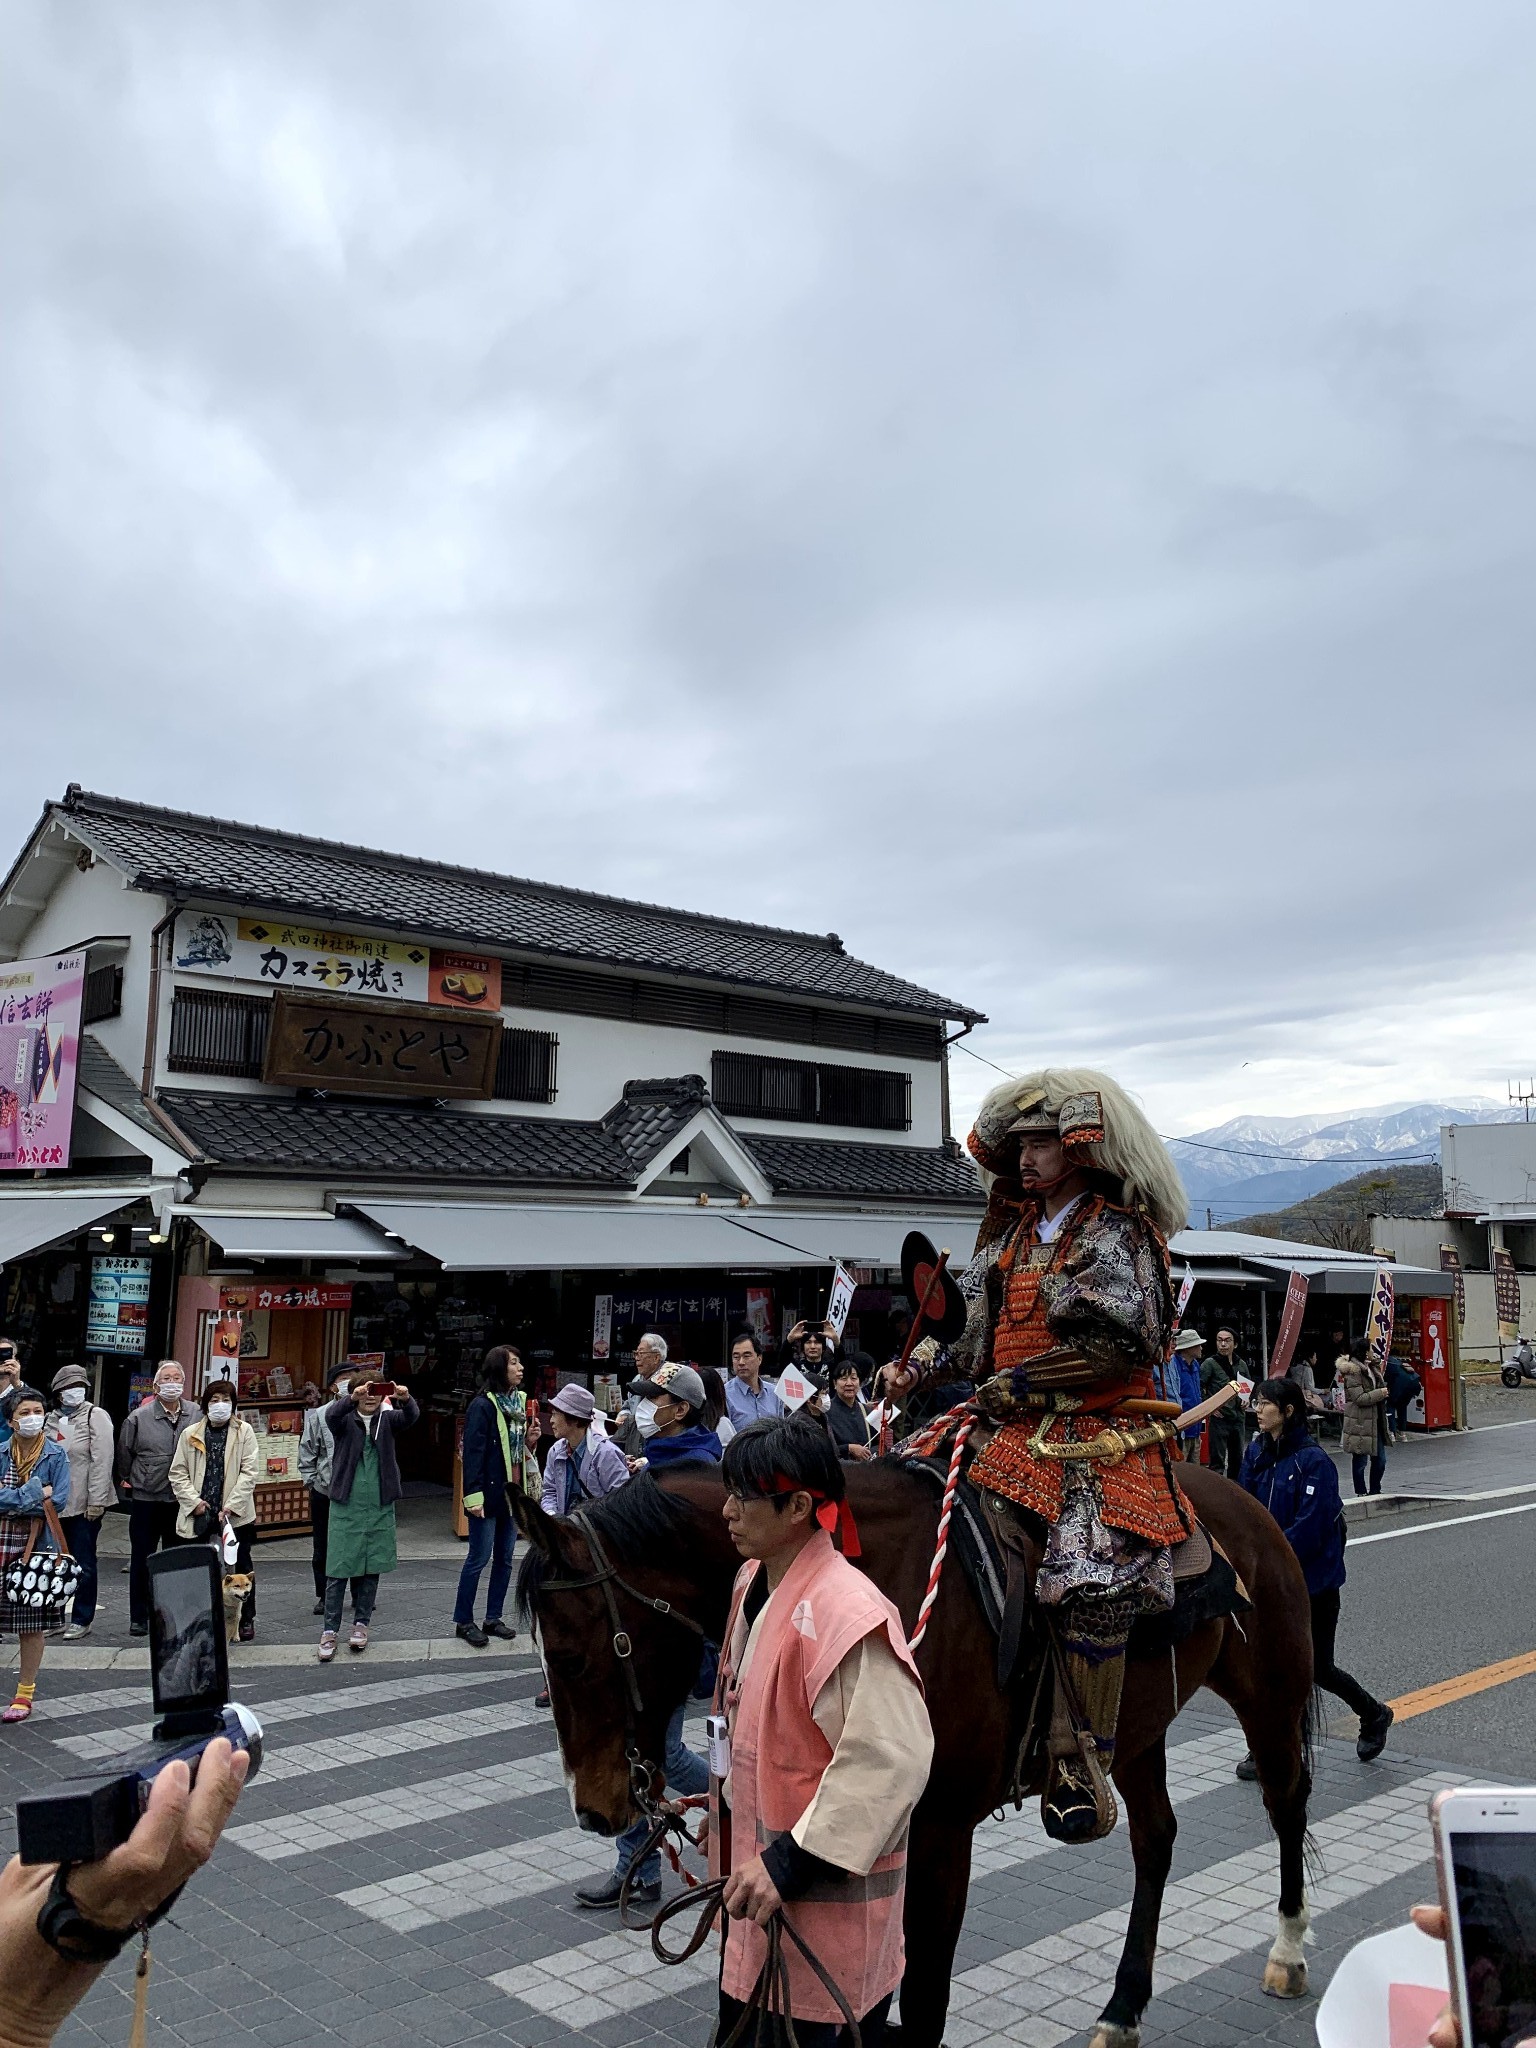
<point x="361" y="1537"/>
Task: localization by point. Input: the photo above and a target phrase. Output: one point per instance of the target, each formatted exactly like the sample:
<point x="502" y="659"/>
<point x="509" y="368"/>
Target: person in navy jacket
<point x="1294" y="1478"/>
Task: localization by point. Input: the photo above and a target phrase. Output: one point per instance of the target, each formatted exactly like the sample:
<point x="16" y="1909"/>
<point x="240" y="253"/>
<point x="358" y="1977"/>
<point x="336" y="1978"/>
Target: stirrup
<point x="1077" y="1804"/>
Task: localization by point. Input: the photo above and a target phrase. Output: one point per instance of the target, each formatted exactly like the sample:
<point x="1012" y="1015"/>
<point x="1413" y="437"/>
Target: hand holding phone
<point x="1485" y="1853"/>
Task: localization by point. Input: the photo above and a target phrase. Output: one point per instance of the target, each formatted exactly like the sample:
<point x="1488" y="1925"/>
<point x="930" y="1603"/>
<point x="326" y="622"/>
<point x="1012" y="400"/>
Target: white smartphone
<point x="1485" y="1849"/>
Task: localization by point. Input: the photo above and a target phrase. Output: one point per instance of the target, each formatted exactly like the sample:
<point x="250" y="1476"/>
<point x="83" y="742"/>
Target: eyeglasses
<point x="753" y="1500"/>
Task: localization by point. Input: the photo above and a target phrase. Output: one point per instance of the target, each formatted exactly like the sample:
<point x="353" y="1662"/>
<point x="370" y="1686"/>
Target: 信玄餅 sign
<point x="317" y="960"/>
<point x="39" y="1049"/>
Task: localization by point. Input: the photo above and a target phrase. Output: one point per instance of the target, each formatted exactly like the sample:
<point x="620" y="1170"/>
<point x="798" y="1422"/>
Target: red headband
<point x="830" y="1514"/>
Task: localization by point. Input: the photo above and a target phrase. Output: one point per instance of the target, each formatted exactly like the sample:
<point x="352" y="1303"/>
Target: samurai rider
<point x="1069" y="1310"/>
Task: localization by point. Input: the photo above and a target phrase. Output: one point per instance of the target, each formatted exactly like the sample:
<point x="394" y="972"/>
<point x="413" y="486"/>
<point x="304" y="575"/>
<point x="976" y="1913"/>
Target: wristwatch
<point x="78" y="1940"/>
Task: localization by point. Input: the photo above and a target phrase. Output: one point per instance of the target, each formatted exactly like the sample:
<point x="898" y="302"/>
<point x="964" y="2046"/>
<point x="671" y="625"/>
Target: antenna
<point x="1525" y="1096"/>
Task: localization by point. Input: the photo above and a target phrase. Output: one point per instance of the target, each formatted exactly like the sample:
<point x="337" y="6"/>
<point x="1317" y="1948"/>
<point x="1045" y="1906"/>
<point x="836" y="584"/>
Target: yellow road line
<point x="1428" y="1697"/>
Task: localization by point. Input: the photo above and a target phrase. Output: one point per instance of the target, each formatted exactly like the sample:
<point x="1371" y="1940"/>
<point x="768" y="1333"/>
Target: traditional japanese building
<point x="327" y="1100"/>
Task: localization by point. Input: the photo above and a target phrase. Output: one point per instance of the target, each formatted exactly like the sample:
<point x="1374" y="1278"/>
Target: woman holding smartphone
<point x="365" y="1485"/>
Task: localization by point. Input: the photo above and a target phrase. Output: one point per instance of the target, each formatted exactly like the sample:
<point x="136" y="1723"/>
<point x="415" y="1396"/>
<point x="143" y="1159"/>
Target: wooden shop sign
<point x="371" y="1048"/>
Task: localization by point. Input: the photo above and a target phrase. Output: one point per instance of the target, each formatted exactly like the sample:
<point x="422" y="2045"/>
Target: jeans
<point x="364" y="1592"/>
<point x="320" y="1523"/>
<point x="810" y="2033"/>
<point x="80" y="1533"/>
<point x="491" y="1538"/>
<point x="686" y="1773"/>
<point x="1227" y="1448"/>
<point x="1377" y="1460"/>
<point x="1325" y="1672"/>
<point x="1400" y="1416"/>
<point x="151" y="1527"/>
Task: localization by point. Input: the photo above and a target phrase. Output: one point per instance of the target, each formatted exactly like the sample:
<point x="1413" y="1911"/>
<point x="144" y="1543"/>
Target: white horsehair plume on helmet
<point x="1132" y="1151"/>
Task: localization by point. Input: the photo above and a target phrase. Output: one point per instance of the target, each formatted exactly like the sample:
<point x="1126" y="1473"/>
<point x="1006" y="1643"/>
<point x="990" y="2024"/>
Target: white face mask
<point x="171" y="1391"/>
<point x="29" y="1425"/>
<point x="219" y="1411"/>
<point x="645" y="1418"/>
<point x="72" y="1397"/>
<point x="339" y="1391"/>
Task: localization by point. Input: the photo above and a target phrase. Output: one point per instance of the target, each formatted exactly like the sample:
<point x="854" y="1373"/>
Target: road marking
<point x="1428" y="1697"/>
<point x="1056" y="1987"/>
<point x="1450" y="1522"/>
<point x="389" y="1809"/>
<point x="617" y="1973"/>
<point x="338" y="1698"/>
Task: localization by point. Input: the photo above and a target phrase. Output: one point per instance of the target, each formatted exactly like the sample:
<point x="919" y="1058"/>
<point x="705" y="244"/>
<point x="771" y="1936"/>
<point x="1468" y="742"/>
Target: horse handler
<point x="829" y="1744"/>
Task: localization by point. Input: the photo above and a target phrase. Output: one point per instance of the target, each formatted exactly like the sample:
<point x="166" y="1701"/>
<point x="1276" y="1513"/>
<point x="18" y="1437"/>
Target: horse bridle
<point x="642" y="1774"/>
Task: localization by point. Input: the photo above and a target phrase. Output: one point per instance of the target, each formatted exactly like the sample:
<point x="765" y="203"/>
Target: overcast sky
<point x="1047" y="492"/>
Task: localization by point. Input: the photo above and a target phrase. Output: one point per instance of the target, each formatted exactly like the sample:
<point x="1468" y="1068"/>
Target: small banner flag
<point x="1290" y="1325"/>
<point x="1378" y="1323"/>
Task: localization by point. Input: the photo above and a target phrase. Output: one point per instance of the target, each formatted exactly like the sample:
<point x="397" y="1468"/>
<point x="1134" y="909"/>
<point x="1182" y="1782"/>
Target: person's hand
<point x="798" y="1331"/>
<point x="201" y="1508"/>
<point x="860" y="1451"/>
<point x="478" y="1514"/>
<point x="896" y="1380"/>
<point x="1445" y="2033"/>
<point x="402" y="1390"/>
<point x="751" y="1894"/>
<point x="533" y="1432"/>
<point x="174" y="1837"/>
<point x="635" y="1464"/>
<point x="94" y="1514"/>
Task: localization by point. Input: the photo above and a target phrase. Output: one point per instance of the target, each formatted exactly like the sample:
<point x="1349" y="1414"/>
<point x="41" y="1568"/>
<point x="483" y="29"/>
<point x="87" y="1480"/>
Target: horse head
<point x="622" y="1596"/>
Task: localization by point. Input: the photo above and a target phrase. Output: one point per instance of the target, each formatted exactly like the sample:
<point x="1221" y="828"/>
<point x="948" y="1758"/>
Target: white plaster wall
<point x="597" y="1055"/>
<point x="96" y="904"/>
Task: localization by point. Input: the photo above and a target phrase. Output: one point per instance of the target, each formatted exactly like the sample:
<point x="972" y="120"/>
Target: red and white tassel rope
<point x="962" y="1435"/>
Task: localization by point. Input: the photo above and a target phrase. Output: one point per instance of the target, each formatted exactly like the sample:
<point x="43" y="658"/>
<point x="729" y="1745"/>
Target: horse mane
<point x="639" y="1523"/>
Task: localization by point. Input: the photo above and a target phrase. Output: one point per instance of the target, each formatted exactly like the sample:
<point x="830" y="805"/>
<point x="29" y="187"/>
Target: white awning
<point x="257" y="1236"/>
<point x="506" y="1236"/>
<point x="29" y="1222"/>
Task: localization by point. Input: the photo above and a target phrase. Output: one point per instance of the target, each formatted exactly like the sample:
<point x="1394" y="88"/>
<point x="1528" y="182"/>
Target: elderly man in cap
<point x="1070" y="1313"/>
<point x="85" y="1431"/>
<point x="1183" y="1385"/>
<point x="681" y="1431"/>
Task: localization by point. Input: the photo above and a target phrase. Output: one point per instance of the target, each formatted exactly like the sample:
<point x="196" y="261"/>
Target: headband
<point x="830" y="1514"/>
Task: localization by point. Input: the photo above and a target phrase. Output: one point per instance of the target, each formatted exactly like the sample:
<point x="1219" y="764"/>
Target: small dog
<point x="236" y="1586"/>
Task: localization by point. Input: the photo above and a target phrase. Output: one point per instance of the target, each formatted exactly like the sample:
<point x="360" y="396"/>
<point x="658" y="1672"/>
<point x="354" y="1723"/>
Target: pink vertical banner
<point x="39" y="1052"/>
<point x="1290" y="1326"/>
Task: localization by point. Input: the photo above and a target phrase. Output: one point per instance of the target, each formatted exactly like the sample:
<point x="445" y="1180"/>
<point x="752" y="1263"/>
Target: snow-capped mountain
<point x="1226" y="1168"/>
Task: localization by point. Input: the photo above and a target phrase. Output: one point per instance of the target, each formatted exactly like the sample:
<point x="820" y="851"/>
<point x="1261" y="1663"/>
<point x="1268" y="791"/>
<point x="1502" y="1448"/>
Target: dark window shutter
<point x="810" y="1092"/>
<point x="525" y="1066"/>
<point x="103" y="995"/>
<point x="216" y="1033"/>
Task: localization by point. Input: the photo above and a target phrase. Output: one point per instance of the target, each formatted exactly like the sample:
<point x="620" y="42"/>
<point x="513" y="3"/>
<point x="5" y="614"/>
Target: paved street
<point x="401" y="1870"/>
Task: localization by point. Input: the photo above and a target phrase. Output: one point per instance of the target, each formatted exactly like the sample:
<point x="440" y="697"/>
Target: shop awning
<point x="31" y="1221"/>
<point x="485" y="1237"/>
<point x="341" y="1238"/>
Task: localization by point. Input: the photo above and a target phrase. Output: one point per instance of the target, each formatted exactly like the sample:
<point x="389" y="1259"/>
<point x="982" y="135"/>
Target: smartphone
<point x="188" y="1650"/>
<point x="1485" y="1850"/>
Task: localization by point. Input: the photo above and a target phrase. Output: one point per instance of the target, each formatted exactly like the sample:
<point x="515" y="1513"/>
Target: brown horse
<point x="607" y="1590"/>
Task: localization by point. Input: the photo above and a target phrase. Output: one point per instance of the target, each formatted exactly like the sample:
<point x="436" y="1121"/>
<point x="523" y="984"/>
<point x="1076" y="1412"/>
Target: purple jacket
<point x="603" y="1469"/>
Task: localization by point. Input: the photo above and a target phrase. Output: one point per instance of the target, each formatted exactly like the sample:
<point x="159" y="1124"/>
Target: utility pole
<point x="1524" y="1096"/>
<point x="1208" y="1223"/>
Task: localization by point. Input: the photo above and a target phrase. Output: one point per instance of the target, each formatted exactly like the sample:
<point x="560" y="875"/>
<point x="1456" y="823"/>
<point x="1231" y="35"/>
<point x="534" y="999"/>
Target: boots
<point x="1078" y="1805"/>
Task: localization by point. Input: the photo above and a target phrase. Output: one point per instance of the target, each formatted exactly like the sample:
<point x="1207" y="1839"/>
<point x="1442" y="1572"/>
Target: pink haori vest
<point x="822" y="1609"/>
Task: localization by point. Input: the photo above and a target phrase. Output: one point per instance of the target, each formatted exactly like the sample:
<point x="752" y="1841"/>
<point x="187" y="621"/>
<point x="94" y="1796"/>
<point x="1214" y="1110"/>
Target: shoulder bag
<point x="42" y="1578"/>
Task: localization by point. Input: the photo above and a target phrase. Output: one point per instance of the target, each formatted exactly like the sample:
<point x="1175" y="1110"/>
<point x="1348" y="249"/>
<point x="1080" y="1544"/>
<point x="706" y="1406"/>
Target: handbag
<point x="42" y="1578"/>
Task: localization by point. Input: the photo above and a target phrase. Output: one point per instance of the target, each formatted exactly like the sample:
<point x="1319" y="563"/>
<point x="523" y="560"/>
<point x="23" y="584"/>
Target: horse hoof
<point x="1285" y="1980"/>
<point x="1107" y="2035"/>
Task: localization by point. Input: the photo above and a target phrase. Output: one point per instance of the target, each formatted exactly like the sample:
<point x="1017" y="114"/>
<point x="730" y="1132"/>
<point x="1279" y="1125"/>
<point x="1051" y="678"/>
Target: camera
<point x="82" y="1819"/>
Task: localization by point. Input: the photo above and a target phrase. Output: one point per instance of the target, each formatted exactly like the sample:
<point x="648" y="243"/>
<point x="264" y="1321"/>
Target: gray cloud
<point x="1048" y="495"/>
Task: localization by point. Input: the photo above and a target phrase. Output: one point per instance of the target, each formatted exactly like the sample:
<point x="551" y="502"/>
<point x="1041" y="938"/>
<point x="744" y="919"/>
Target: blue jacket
<point x="1295" y="1480"/>
<point x="486" y="1477"/>
<point x="697" y="1442"/>
<point x="51" y="1469"/>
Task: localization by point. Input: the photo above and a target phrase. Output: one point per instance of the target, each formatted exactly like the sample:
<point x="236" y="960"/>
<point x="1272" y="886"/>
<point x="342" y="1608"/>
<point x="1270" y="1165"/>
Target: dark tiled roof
<point x="811" y="1166"/>
<point x="215" y="860"/>
<point x="275" y="1133"/>
<point x="101" y="1074"/>
<point x="653" y="1112"/>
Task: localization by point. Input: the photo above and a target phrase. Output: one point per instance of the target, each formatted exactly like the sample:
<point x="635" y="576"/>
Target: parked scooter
<point x="1519" y="1369"/>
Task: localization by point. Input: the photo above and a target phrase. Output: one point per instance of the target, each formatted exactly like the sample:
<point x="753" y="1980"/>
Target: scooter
<point x="1515" y="1373"/>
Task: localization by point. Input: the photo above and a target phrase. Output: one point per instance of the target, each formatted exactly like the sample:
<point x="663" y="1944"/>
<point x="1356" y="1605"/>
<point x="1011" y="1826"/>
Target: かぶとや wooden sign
<point x="369" y="1048"/>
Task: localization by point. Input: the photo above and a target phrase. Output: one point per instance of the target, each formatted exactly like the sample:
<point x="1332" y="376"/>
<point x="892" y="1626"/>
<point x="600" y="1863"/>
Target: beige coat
<point x="242" y="1459"/>
<point x="1365" y="1395"/>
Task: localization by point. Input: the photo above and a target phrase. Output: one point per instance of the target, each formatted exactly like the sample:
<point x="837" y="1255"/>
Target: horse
<point x="622" y="1592"/>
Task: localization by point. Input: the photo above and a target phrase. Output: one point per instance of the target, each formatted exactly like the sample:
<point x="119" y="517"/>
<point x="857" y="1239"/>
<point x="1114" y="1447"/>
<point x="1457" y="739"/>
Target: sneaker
<point x="1373" y="1733"/>
<point x="541" y="1699"/>
<point x="468" y="1632"/>
<point x="138" y="1628"/>
<point x="76" y="1630"/>
<point x="499" y="1629"/>
<point x="1247" y="1769"/>
<point x="358" y="1640"/>
<point x="327" y="1648"/>
<point x="605" y="1892"/>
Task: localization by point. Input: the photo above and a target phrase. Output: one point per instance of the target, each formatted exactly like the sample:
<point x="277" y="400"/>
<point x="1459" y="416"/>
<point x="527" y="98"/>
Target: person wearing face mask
<point x="34" y="1471"/>
<point x="316" y="1449"/>
<point x="213" y="1476"/>
<point x="85" y="1431"/>
<point x="365" y="1485"/>
<point x="145" y="1445"/>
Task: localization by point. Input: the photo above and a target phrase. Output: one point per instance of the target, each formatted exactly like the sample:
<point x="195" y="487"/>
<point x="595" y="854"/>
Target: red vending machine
<point x="1432" y="1361"/>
